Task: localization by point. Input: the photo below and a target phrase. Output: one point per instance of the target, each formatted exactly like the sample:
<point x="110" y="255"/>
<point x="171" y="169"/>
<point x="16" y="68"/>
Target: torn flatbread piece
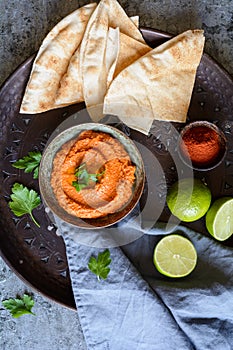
<point x="112" y="53"/>
<point x="52" y="61"/>
<point x="130" y="50"/>
<point x="159" y="83"/>
<point x="95" y="75"/>
<point x="135" y="20"/>
<point x="71" y="89"/>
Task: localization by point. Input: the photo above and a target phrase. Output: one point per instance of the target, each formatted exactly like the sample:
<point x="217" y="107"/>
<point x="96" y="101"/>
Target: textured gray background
<point x="23" y="26"/>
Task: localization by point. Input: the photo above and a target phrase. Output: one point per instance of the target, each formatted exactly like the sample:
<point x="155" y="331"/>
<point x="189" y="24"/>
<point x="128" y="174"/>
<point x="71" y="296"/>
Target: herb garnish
<point x="84" y="178"/>
<point x="100" y="265"/>
<point x="19" y="306"/>
<point x="29" y="163"/>
<point x="24" y="201"/>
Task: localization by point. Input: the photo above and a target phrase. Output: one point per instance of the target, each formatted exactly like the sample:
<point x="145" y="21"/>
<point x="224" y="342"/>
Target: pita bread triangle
<point x="135" y="20"/>
<point x="52" y="60"/>
<point x="130" y="50"/>
<point x="71" y="91"/>
<point x="95" y="75"/>
<point x="118" y="18"/>
<point x="158" y="85"/>
<point x="70" y="88"/>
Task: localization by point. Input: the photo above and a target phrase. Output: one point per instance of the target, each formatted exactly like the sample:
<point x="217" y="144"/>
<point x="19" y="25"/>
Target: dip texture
<point x="102" y="155"/>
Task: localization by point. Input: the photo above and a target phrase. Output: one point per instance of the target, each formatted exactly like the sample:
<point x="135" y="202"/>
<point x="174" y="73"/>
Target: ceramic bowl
<point x="46" y="166"/>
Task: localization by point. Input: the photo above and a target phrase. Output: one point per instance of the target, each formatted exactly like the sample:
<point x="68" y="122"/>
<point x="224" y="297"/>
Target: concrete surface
<point x="23" y="26"/>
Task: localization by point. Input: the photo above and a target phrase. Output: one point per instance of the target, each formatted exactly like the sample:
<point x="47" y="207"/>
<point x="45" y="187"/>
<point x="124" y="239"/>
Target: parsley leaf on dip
<point x="84" y="178"/>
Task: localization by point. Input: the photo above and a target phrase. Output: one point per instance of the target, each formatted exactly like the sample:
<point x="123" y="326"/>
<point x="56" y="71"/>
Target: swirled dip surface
<point x="102" y="155"/>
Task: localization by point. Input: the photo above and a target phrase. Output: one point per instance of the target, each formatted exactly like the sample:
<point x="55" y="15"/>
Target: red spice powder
<point x="202" y="144"/>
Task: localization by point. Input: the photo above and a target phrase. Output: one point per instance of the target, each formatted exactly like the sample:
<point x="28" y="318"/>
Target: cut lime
<point x="175" y="256"/>
<point x="219" y="218"/>
<point x="189" y="199"/>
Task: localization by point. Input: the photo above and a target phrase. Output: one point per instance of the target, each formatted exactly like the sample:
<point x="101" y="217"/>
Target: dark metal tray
<point x="37" y="255"/>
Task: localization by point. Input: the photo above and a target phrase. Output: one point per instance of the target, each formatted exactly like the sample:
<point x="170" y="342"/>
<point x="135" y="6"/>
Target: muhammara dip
<point x="103" y="159"/>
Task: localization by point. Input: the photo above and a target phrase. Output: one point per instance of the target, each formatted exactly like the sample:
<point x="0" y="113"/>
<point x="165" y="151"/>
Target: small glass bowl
<point x="46" y="166"/>
<point x="220" y="140"/>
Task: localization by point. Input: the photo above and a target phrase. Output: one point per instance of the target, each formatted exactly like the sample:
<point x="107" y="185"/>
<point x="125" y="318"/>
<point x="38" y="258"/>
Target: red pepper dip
<point x="201" y="144"/>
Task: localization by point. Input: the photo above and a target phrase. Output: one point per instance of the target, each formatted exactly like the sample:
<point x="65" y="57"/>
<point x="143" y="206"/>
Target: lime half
<point x="175" y="256"/>
<point x="219" y="218"/>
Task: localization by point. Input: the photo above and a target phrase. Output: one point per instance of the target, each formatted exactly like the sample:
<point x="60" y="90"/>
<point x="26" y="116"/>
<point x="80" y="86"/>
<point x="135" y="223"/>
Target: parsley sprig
<point x="84" y="178"/>
<point x="23" y="201"/>
<point x="100" y="265"/>
<point x="19" y="306"/>
<point x="29" y="163"/>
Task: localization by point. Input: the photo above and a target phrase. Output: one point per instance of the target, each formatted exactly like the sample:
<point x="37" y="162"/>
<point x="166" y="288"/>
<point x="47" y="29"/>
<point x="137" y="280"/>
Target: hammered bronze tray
<point x="37" y="255"/>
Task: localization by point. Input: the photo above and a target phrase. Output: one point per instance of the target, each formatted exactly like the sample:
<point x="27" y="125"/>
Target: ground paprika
<point x="201" y="144"/>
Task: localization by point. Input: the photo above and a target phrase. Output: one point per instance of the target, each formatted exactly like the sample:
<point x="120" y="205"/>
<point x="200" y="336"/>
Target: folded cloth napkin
<point x="136" y="308"/>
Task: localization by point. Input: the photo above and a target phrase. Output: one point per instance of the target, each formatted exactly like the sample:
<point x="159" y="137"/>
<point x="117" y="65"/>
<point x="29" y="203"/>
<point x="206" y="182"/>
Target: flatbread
<point x="112" y="53"/>
<point x="52" y="60"/>
<point x="95" y="75"/>
<point x="160" y="83"/>
<point x="71" y="89"/>
<point x="130" y="50"/>
<point x="135" y="20"/>
<point x="118" y="18"/>
<point x="92" y="57"/>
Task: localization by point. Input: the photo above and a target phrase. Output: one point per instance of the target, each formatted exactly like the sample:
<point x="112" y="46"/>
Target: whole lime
<point x="189" y="199"/>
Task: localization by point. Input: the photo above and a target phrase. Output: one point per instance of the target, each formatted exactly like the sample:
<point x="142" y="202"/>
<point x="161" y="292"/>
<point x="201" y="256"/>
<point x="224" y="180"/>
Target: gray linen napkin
<point x="137" y="308"/>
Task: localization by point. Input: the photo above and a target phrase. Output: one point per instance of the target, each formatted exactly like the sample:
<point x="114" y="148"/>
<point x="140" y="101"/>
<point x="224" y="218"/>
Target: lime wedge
<point x="175" y="256"/>
<point x="219" y="218"/>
